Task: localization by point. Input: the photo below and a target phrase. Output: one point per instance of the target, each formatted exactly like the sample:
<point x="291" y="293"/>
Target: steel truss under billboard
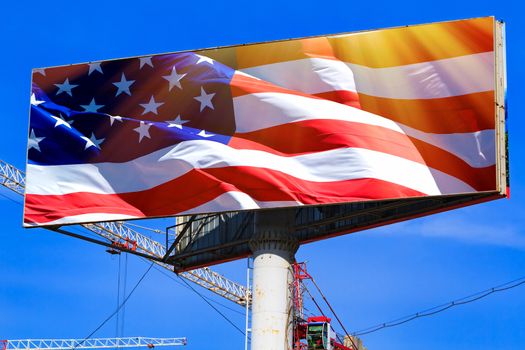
<point x="351" y="130"/>
<point x="205" y="240"/>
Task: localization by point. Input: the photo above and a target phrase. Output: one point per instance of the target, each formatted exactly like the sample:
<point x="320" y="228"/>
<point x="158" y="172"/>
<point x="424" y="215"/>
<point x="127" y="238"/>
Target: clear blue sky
<point x="55" y="286"/>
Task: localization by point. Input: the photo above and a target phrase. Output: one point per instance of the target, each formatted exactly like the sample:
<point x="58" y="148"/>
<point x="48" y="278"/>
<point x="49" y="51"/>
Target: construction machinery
<point x="93" y="343"/>
<point x="320" y="334"/>
<point x="314" y="332"/>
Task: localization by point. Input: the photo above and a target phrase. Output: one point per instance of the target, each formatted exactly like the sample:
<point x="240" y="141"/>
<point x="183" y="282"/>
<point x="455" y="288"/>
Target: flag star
<point x="39" y="71"/>
<point x="112" y="118"/>
<point x="34" y="101"/>
<point x="145" y="60"/>
<point x="151" y="106"/>
<point x="176" y="123"/>
<point x="70" y="122"/>
<point x="92" y="106"/>
<point x="205" y="99"/>
<point x="65" y="87"/>
<point x="174" y="78"/>
<point x="123" y="85"/>
<point x="92" y="141"/>
<point x="95" y="67"/>
<point x="143" y="130"/>
<point x="60" y="121"/>
<point x="204" y="59"/>
<point x="204" y="134"/>
<point x="34" y="141"/>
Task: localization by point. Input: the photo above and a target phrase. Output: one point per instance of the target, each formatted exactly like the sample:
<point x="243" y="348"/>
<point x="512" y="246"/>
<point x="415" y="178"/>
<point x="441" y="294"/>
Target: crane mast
<point x="94" y="343"/>
<point x="123" y="237"/>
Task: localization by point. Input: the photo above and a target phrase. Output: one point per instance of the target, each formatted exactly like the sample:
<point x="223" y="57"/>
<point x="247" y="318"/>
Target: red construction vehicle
<point x="319" y="335"/>
<point x="317" y="331"/>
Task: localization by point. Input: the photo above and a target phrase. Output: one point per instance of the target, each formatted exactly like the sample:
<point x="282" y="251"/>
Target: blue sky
<point x="57" y="287"/>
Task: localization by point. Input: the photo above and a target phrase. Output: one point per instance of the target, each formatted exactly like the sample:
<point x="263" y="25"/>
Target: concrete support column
<point x="273" y="247"/>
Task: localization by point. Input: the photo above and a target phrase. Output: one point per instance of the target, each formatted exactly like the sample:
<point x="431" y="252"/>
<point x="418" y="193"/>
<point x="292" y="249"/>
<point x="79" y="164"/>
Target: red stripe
<point x="272" y="185"/>
<point x="321" y="135"/>
<point x="309" y="136"/>
<point x="350" y="98"/>
<point x="202" y="186"/>
<point x="187" y="191"/>
<point x="244" y="85"/>
<point x="465" y="113"/>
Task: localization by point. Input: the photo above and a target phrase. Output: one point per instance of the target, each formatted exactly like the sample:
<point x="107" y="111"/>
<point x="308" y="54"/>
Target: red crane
<point x="313" y="333"/>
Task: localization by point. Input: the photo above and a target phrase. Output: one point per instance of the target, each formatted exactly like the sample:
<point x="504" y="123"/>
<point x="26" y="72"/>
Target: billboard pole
<point x="273" y="246"/>
<point x="247" y="306"/>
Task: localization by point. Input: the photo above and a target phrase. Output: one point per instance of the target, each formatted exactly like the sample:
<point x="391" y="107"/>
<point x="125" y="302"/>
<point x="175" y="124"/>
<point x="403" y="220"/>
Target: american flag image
<point x="292" y="123"/>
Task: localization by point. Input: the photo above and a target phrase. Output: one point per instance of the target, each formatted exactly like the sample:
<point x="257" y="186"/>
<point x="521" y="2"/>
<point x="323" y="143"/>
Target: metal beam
<point x="186" y="227"/>
<point x="94" y="343"/>
<point x="12" y="178"/>
<point x="96" y="241"/>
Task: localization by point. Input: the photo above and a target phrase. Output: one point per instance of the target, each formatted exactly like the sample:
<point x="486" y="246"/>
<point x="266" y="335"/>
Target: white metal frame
<point x="94" y="343"/>
<point x="500" y="78"/>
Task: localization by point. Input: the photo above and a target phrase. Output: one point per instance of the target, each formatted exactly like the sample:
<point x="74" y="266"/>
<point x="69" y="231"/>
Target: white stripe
<point x="170" y="163"/>
<point x="266" y="109"/>
<point x="477" y="149"/>
<point x="234" y="200"/>
<point x="435" y="79"/>
<point x="448" y="184"/>
<point x="74" y="219"/>
<point x="310" y="75"/>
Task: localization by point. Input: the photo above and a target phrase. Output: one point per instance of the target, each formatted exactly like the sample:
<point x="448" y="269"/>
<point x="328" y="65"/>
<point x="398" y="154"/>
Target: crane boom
<point x="122" y="235"/>
<point x="94" y="343"/>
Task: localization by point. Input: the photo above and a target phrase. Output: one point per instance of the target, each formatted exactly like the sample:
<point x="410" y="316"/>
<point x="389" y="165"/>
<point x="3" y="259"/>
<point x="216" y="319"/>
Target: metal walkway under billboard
<point x="202" y="240"/>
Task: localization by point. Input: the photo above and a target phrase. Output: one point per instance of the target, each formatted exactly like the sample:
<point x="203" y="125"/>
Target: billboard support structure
<point x="273" y="247"/>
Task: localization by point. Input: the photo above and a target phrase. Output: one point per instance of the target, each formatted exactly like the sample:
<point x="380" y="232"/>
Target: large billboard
<point x="393" y="114"/>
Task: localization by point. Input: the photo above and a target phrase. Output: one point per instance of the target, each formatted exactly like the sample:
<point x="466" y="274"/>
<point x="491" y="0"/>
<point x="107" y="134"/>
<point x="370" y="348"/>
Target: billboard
<point x="393" y="114"/>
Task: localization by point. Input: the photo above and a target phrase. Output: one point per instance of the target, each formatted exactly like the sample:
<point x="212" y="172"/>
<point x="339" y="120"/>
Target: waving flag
<point x="388" y="114"/>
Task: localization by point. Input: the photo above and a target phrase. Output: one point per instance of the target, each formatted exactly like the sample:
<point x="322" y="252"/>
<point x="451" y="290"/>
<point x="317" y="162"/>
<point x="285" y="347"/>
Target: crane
<point x="122" y="237"/>
<point x="94" y="343"/>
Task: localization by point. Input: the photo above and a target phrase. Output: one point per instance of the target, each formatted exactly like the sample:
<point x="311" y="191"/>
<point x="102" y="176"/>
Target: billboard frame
<point x="500" y="80"/>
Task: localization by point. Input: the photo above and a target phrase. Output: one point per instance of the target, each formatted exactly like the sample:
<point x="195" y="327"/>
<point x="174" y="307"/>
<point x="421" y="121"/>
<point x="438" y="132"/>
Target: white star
<point x="92" y="141"/>
<point x="92" y="106"/>
<point x="60" y="121"/>
<point x="39" y="71"/>
<point x="174" y="79"/>
<point x="204" y="59"/>
<point x="151" y="106"/>
<point x="203" y="134"/>
<point x="145" y="60"/>
<point x="123" y="85"/>
<point x="95" y="67"/>
<point x="33" y="141"/>
<point x="205" y="99"/>
<point x="143" y="130"/>
<point x="34" y="101"/>
<point x="65" y="87"/>
<point x="112" y="118"/>
<point x="70" y="122"/>
<point x="176" y="123"/>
